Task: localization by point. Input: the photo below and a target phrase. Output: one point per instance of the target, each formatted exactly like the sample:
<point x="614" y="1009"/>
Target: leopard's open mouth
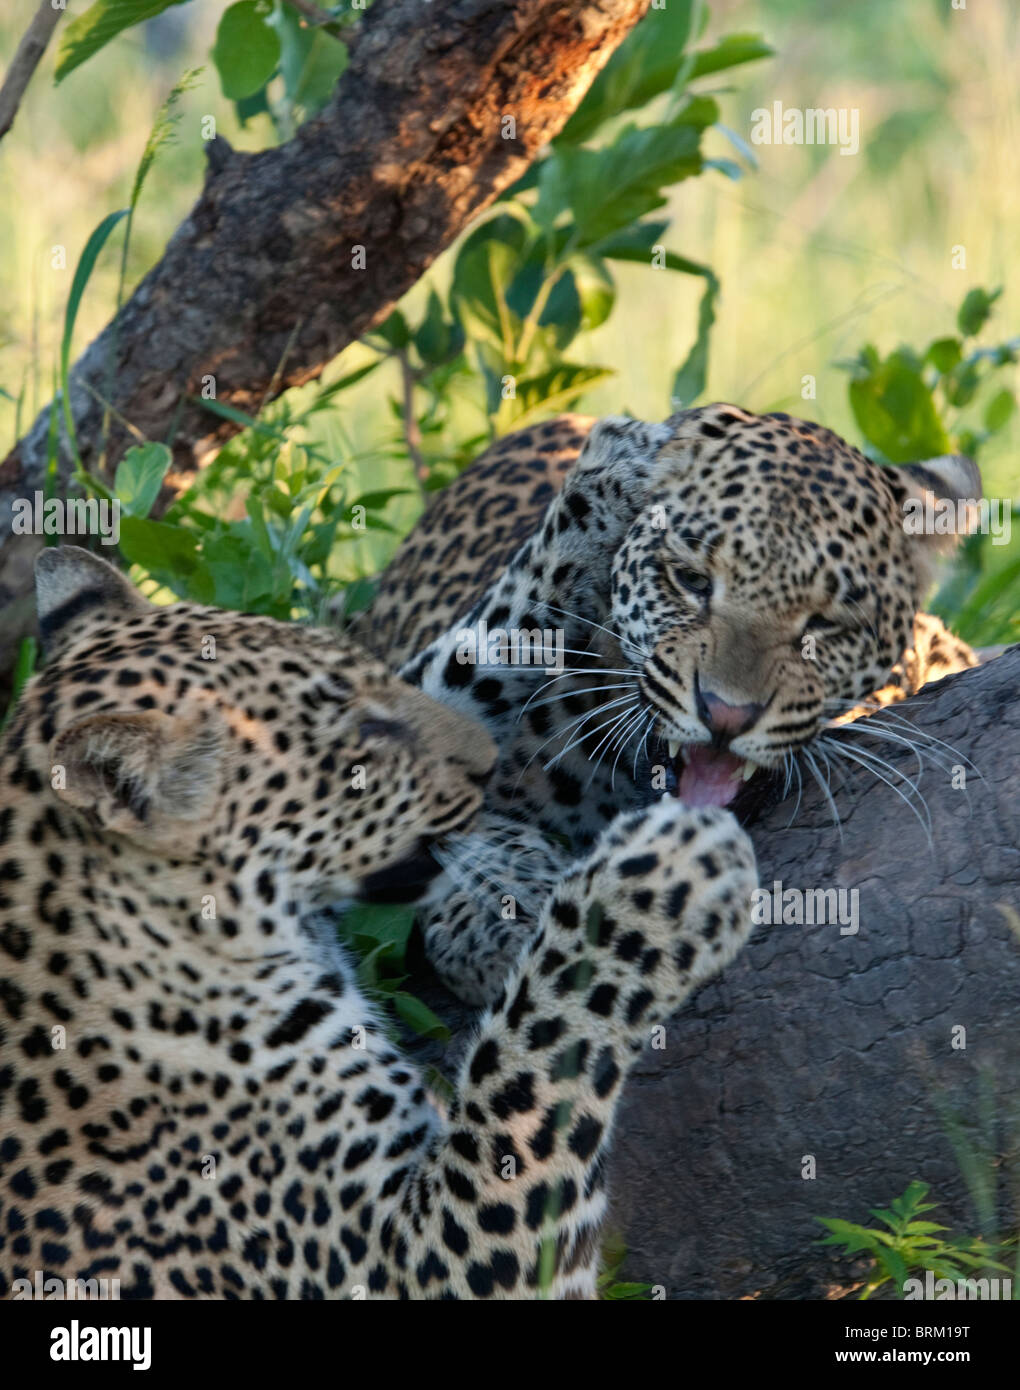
<point x="701" y="774"/>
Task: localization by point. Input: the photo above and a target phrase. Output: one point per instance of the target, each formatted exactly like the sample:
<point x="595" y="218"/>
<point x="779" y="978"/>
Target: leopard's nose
<point x="724" y="720"/>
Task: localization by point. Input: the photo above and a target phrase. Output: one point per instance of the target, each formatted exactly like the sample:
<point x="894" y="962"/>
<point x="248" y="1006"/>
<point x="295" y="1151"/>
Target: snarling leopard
<point x="722" y="589"/>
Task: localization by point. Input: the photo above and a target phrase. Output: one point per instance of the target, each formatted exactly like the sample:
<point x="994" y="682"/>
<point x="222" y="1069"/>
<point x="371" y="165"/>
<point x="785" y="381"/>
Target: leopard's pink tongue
<point x="709" y="776"/>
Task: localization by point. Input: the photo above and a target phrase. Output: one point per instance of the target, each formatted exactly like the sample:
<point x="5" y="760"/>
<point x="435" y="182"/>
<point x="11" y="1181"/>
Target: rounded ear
<point x="618" y="444"/>
<point x="141" y="773"/>
<point x="940" y="502"/>
<point x="74" y="588"/>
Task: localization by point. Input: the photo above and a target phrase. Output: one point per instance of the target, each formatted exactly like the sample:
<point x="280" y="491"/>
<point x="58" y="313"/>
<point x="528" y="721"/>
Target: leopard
<point x="198" y="1099"/>
<point x="727" y="588"/>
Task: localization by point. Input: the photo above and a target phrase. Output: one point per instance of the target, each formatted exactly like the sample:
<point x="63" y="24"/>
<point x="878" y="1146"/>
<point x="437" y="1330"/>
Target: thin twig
<point x="322" y="19"/>
<point x="25" y="61"/>
<point x="412" y="434"/>
<point x="274" y="384"/>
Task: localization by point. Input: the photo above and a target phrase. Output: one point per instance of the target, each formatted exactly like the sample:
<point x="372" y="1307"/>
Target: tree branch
<point x="409" y="150"/>
<point x="25" y="61"/>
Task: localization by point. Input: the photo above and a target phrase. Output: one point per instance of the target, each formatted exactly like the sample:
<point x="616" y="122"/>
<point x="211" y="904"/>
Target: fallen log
<point x="824" y="1070"/>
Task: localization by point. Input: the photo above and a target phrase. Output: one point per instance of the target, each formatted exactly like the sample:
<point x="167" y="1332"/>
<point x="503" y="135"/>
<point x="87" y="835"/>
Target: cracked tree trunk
<point x="844" y="1051"/>
<point x="258" y="288"/>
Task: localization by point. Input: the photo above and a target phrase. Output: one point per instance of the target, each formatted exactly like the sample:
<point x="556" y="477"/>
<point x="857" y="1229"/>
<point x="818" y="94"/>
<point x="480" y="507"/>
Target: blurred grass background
<point x="818" y="253"/>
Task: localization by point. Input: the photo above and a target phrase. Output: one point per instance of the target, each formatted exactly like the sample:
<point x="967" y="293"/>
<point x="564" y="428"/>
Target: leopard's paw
<point x="663" y="902"/>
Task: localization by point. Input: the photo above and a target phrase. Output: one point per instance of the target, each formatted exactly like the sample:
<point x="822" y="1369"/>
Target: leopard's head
<point x="275" y="763"/>
<point x="769" y="583"/>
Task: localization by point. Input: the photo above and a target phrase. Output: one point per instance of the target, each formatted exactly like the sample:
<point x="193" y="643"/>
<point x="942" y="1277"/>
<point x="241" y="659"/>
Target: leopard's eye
<point x="691" y="580"/>
<point x="819" y="623"/>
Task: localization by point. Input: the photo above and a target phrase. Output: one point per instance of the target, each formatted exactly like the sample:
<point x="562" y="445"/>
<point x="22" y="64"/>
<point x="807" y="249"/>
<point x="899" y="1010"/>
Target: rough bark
<point x="840" y="1047"/>
<point x="257" y="288"/>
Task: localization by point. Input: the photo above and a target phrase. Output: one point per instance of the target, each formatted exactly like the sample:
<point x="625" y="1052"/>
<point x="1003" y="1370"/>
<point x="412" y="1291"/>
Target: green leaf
<point x="728" y="53"/>
<point x="437" y="339"/>
<point x="852" y="1237"/>
<point x="250" y="107"/>
<point x="83" y="271"/>
<point x="967" y="621"/>
<point x="379" y="498"/>
<point x="648" y="62"/>
<point x="239" y="417"/>
<point x="358" y="596"/>
<point x="99" y="24"/>
<point x="998" y="410"/>
<point x="383" y="924"/>
<point x="325" y="64"/>
<point x="139" y="477"/>
<point x="895" y="412"/>
<point x="895" y="1266"/>
<point x="296" y="41"/>
<point x="975" y="309"/>
<point x="625" y="1290"/>
<point x="24" y="667"/>
<point x="689" y="382"/>
<point x="327" y="393"/>
<point x="486" y="265"/>
<point x="962" y="383"/>
<point x="608" y="189"/>
<point x="260" y="531"/>
<point x="944" y="354"/>
<point x="241" y="573"/>
<point x="596" y="292"/>
<point x="247" y="50"/>
<point x="552" y="391"/>
<point x="980" y="1260"/>
<point x="420" y="1017"/>
<point x="395" y="330"/>
<point x="169" y="553"/>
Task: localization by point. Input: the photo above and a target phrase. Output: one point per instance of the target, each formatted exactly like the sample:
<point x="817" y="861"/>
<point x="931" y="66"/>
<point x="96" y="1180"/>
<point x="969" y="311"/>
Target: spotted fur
<point x="195" y="1097"/>
<point x="722" y="581"/>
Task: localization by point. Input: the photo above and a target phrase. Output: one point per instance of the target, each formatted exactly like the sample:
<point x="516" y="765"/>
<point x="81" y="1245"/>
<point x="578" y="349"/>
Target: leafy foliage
<point x="101" y="23"/>
<point x="909" y="405"/>
<point x="247" y="50"/>
<point x="950" y="397"/>
<point x="537" y="273"/>
<point x="609" y="1287"/>
<point x="269" y="59"/>
<point x="261" y="527"/>
<point x="910" y="1244"/>
<point x="378" y="936"/>
<point x="290" y="506"/>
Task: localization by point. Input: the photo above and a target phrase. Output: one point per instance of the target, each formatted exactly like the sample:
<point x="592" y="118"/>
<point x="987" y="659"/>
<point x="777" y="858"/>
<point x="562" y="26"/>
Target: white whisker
<point x="589" y="733"/>
<point x="816" y="773"/>
<point x="858" y="755"/>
